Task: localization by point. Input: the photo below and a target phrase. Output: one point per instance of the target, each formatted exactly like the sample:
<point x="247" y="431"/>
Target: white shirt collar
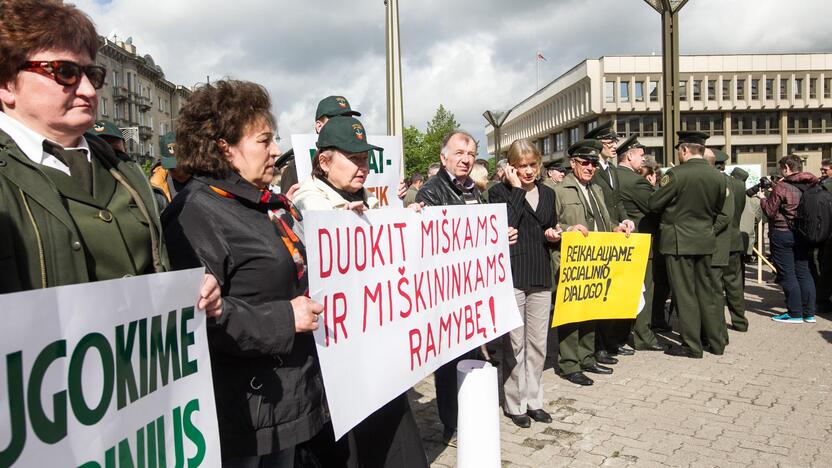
<point x="31" y="143"/>
<point x="603" y="163"/>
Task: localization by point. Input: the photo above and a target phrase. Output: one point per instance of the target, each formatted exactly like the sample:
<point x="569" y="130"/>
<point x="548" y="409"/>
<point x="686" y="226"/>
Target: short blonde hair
<point x="479" y="175"/>
<point x="522" y="149"/>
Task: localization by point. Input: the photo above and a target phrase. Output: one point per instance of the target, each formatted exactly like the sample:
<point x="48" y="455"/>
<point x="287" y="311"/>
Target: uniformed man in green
<point x="110" y="133"/>
<point x="635" y="194"/>
<point x="579" y="205"/>
<point x="611" y="335"/>
<point x="719" y="259"/>
<point x="690" y="197"/>
<point x="554" y="173"/>
<point x="734" y="275"/>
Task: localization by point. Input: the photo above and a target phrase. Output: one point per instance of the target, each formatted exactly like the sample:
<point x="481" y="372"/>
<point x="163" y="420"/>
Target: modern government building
<point x="756" y="108"/>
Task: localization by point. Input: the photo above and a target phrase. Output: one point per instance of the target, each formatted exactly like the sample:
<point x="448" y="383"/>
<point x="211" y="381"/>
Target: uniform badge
<point x="665" y="180"/>
<point x="359" y="131"/>
<point x="98" y="128"/>
<point x="171" y="148"/>
<point x="341" y="102"/>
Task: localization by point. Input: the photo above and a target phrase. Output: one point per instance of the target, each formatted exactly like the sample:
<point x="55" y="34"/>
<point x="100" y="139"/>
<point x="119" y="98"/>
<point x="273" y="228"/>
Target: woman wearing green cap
<point x="389" y="437"/>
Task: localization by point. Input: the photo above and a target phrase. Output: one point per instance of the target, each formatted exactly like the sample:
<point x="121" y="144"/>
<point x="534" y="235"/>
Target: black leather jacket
<point x="440" y="190"/>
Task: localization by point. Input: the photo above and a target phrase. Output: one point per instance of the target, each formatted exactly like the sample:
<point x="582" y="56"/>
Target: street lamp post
<point x="669" y="9"/>
<point x="496" y="119"/>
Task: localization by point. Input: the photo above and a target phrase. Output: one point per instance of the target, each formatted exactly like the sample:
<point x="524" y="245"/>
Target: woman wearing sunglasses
<point x="72" y="211"/>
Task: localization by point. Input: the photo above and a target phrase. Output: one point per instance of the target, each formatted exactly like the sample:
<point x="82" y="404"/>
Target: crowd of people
<point x="76" y="209"/>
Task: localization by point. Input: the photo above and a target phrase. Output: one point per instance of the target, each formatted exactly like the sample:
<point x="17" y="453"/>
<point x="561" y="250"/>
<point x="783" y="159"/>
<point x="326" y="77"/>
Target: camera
<point x="763" y="184"/>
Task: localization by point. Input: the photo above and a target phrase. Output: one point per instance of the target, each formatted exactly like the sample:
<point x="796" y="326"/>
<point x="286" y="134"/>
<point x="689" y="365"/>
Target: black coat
<point x="439" y="190"/>
<point x="530" y="264"/>
<point x="267" y="382"/>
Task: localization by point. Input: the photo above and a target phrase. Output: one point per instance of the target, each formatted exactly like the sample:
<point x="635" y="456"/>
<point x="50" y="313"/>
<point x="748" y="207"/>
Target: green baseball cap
<point x="105" y="128"/>
<point x="586" y="149"/>
<point x="331" y="106"/>
<point x="167" y="150"/>
<point x="346" y="134"/>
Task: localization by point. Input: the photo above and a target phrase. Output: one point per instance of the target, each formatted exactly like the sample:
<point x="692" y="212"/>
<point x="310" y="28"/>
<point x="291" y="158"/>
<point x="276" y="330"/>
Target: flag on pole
<point x="541" y="57"/>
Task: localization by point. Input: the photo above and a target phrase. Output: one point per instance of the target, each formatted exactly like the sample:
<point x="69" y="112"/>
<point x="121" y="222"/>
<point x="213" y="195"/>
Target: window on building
<point x="116" y="79"/>
<point x="813" y="88"/>
<point x="718" y="121"/>
<point x="683" y="90"/>
<point x="559" y="141"/>
<point x="574" y="135"/>
<point x="755" y="89"/>
<point x="624" y="90"/>
<point x="547" y="145"/>
<point x="798" y="88"/>
<point x="653" y="91"/>
<point x="697" y="90"/>
<point x="783" y="94"/>
<point x="650" y="125"/>
<point x="769" y="88"/>
<point x="827" y="88"/>
<point x="590" y="125"/>
<point x="150" y="150"/>
<point x="712" y="90"/>
<point x="740" y="90"/>
<point x="103" y="106"/>
<point x="639" y="91"/>
<point x="609" y="91"/>
<point x="726" y="90"/>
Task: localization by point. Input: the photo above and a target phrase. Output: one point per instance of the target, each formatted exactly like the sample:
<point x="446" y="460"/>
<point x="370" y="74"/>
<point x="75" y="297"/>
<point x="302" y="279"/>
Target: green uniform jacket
<point x="40" y="245"/>
<point x="722" y="227"/>
<point x="690" y="197"/>
<point x="635" y="195"/>
<point x="572" y="208"/>
<point x="612" y="196"/>
<point x="738" y="192"/>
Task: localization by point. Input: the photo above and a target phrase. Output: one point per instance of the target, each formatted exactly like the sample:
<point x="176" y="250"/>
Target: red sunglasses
<point x="67" y="73"/>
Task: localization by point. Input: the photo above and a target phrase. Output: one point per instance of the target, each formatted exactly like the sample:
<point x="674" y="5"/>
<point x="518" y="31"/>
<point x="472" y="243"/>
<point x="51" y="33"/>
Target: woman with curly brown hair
<point x="267" y="383"/>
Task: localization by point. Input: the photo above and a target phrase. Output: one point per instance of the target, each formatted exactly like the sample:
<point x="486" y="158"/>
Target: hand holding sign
<point x="306" y="314"/>
<point x="210" y="299"/>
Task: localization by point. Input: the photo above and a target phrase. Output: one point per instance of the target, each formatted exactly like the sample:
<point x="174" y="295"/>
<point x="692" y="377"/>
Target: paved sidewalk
<point x="763" y="403"/>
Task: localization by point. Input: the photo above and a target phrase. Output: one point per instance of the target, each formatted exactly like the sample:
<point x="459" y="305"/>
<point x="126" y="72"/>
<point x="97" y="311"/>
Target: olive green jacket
<point x="723" y="227"/>
<point x="40" y="245"/>
<point x="635" y="195"/>
<point x="738" y="192"/>
<point x="572" y="208"/>
<point x="612" y="194"/>
<point x="690" y="198"/>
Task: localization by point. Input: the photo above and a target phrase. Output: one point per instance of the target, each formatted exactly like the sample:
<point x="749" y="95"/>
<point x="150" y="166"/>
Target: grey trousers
<point x="524" y="352"/>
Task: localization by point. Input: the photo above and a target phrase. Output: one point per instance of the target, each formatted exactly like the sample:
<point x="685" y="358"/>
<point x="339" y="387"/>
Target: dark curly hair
<point x="218" y="111"/>
<point x="29" y="26"/>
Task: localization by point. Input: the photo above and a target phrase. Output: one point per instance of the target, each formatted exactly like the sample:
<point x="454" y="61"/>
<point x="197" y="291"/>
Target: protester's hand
<point x="417" y="207"/>
<point x="307" y="313"/>
<point x="512" y="235"/>
<point x="290" y="194"/>
<point x="210" y="296"/>
<point x="580" y="228"/>
<point x="357" y="206"/>
<point x="626" y="227"/>
<point x="552" y="234"/>
<point x="512" y="177"/>
<point x="651" y="178"/>
<point x="402" y="190"/>
<point x="761" y="195"/>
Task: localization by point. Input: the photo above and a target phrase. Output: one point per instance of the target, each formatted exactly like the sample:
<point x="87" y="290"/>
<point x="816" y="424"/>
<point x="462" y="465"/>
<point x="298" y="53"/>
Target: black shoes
<point x="654" y="347"/>
<point x="520" y="420"/>
<point x="578" y="378"/>
<point x="539" y="415"/>
<point x="623" y="351"/>
<point x="598" y="369"/>
<point x="681" y="352"/>
<point x="604" y="358"/>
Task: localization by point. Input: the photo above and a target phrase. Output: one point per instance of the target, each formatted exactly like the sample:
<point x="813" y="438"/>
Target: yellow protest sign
<point x="600" y="276"/>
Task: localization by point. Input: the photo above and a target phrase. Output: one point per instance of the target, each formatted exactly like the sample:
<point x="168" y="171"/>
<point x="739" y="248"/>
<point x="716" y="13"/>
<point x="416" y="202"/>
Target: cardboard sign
<point x="113" y="373"/>
<point x="383" y="179"/>
<point x="404" y="293"/>
<point x="600" y="277"/>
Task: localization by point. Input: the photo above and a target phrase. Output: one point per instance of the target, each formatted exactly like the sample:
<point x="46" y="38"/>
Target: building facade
<point x="137" y="97"/>
<point x="756" y="108"/>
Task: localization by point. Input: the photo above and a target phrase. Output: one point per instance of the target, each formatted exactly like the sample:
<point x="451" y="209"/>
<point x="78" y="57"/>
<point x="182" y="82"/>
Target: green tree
<point x="422" y="149"/>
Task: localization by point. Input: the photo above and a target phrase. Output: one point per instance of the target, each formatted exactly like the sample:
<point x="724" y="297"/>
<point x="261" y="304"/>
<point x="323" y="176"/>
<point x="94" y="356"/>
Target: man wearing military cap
<point x="579" y="205"/>
<point x="635" y="193"/>
<point x="328" y="107"/>
<point x="554" y="175"/>
<point x="110" y="133"/>
<point x="165" y="178"/>
<point x="611" y="334"/>
<point x="690" y="198"/>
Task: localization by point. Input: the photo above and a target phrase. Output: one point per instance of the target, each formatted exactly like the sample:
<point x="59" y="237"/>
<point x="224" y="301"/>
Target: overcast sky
<point x="470" y="55"/>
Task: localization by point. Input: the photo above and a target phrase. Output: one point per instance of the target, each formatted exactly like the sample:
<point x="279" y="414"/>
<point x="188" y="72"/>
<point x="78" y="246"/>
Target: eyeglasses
<point x="585" y="163"/>
<point x="67" y="73"/>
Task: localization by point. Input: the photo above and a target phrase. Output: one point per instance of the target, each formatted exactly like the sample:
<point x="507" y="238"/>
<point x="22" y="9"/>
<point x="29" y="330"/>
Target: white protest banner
<point x="403" y="293"/>
<point x="383" y="179"/>
<point x="755" y="171"/>
<point x="107" y="374"/>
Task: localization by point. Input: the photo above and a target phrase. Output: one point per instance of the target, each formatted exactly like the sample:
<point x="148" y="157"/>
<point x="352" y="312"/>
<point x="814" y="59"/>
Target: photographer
<point x="791" y="255"/>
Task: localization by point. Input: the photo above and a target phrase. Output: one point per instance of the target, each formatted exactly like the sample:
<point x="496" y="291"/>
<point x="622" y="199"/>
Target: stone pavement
<point x="763" y="403"/>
